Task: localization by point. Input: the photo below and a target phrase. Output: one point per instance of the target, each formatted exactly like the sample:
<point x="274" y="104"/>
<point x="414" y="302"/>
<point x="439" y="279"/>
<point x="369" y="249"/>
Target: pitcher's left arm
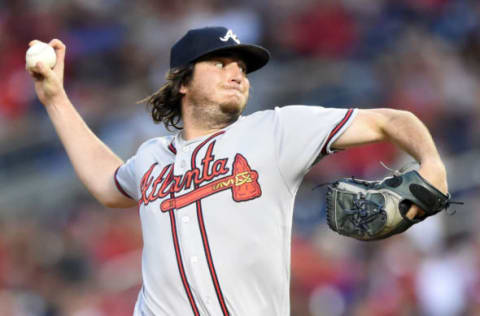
<point x="406" y="131"/>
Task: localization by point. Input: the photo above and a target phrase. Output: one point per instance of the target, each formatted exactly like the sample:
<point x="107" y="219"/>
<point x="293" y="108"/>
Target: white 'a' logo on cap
<point x="229" y="35"/>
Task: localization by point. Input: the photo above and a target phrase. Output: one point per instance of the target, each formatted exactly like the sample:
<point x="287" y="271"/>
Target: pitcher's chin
<point x="234" y="107"/>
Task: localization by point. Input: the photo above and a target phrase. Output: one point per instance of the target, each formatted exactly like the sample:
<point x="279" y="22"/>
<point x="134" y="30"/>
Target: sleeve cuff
<point x="337" y="131"/>
<point x="119" y="187"/>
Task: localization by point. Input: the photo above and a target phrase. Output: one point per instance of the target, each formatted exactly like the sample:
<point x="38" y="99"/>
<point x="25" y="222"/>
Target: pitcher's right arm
<point x="93" y="161"/>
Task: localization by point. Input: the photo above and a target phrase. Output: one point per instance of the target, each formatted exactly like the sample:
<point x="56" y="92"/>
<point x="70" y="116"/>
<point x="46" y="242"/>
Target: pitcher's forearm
<point x="93" y="161"/>
<point x="410" y="134"/>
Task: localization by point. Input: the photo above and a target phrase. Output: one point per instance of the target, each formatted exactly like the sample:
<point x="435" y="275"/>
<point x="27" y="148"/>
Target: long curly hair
<point x="165" y="103"/>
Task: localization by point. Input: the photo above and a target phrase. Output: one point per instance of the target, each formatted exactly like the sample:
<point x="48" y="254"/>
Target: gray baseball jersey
<point x="216" y="211"/>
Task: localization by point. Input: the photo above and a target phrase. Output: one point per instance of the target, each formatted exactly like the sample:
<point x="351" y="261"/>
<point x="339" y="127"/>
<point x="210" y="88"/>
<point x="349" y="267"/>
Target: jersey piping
<point x="172" y="148"/>
<point x="178" y="256"/>
<point x="119" y="187"/>
<point x="336" y="129"/>
<point x="203" y="231"/>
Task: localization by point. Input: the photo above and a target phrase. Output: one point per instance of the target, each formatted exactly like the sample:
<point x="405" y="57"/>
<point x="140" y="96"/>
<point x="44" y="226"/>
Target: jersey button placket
<point x="182" y="158"/>
<point x="197" y="268"/>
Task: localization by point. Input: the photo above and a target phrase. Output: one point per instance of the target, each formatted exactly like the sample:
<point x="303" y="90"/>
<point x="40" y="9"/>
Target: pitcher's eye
<point x="219" y="64"/>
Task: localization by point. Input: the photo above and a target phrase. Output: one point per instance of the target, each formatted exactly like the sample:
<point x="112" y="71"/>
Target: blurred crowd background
<point x="61" y="253"/>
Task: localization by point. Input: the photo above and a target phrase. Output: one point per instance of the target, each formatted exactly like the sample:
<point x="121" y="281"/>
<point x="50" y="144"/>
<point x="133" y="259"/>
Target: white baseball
<point x="43" y="52"/>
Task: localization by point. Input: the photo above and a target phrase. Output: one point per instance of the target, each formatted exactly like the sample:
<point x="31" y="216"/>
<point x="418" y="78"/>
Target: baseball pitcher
<point x="216" y="199"/>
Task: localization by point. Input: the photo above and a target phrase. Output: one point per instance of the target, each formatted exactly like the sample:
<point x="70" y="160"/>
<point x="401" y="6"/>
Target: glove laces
<point x="363" y="212"/>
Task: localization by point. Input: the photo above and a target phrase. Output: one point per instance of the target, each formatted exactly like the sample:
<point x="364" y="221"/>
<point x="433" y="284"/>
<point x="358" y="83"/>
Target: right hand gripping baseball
<point x="49" y="82"/>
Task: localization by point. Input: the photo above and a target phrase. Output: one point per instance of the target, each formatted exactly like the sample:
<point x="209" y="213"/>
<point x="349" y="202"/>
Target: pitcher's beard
<point x="217" y="116"/>
<point x="211" y="116"/>
<point x="231" y="108"/>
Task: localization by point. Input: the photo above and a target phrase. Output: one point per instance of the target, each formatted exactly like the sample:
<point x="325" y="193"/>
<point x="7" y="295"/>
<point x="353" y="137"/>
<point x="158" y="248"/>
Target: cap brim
<point x="254" y="56"/>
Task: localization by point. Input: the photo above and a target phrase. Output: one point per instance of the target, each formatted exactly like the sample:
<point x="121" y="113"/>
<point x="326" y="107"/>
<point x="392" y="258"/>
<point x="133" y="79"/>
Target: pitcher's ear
<point x="183" y="89"/>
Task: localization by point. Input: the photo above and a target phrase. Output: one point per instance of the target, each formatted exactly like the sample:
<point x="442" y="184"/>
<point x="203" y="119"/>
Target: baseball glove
<point x="372" y="210"/>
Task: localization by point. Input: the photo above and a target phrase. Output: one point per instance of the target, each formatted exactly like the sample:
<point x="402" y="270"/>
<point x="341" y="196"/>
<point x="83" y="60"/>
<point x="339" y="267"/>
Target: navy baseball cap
<point x="198" y="43"/>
